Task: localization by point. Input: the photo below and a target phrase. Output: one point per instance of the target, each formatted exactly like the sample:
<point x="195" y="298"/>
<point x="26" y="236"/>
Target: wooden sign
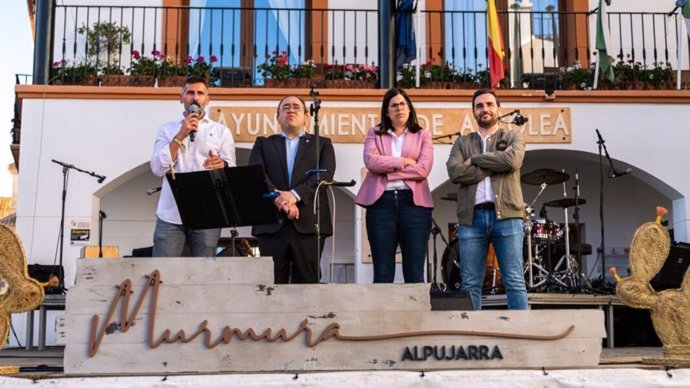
<point x="350" y="125"/>
<point x="169" y="315"/>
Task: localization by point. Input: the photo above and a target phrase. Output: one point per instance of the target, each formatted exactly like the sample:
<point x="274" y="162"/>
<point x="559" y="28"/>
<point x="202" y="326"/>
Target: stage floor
<point x="618" y="367"/>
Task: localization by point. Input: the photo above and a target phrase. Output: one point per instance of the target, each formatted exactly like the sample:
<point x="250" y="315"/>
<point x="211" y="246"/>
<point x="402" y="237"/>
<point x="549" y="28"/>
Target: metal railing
<point x="234" y="42"/>
<point x="544" y="49"/>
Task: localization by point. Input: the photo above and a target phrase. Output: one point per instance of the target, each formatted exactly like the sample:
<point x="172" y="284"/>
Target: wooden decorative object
<point x="669" y="309"/>
<point x="18" y="292"/>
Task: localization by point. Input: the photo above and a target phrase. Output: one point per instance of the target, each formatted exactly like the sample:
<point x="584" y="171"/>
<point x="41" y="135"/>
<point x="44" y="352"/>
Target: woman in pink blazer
<point x="398" y="155"/>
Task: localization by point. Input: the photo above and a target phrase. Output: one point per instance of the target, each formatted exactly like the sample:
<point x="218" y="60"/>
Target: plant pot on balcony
<point x="141" y="80"/>
<point x="171" y="80"/>
<point x="275" y="83"/>
<point x="114" y="80"/>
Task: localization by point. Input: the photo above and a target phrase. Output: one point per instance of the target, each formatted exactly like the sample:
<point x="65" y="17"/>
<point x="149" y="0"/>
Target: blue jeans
<point x="506" y="236"/>
<point x="169" y="240"/>
<point x="394" y="219"/>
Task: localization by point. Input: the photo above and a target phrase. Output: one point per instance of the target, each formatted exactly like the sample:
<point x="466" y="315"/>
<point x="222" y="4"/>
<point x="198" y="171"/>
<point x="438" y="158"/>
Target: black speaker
<point x="42" y="273"/>
<point x="671" y="274"/>
<point x="450" y="300"/>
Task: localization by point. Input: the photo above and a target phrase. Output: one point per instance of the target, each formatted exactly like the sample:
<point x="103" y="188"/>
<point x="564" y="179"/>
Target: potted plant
<point x="200" y="68"/>
<point x="576" y="77"/>
<point x="144" y="70"/>
<point x="105" y="37"/>
<point x="64" y="73"/>
<point x="275" y="69"/>
<point x="334" y="75"/>
<point x="303" y="73"/>
<point x="103" y="41"/>
<point x="361" y="76"/>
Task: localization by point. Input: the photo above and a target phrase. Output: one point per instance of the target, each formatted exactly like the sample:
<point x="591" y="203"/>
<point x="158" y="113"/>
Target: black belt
<point x="485" y="206"/>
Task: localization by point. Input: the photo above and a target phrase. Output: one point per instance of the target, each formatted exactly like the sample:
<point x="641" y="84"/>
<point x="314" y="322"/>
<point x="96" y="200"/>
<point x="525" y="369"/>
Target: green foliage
<point x="105" y="38"/>
<point x="64" y="73"/>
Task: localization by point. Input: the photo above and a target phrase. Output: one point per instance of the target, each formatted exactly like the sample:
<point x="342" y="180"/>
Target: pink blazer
<point x="384" y="167"/>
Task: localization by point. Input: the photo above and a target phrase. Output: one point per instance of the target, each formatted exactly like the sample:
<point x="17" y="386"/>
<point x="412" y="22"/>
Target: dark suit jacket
<point x="270" y="153"/>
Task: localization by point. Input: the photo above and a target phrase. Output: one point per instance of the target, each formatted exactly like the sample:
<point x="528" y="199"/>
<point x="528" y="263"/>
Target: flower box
<point x="114" y="80"/>
<point x="171" y="81"/>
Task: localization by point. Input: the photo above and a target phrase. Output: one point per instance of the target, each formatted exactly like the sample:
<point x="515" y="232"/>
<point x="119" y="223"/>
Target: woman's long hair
<point x="386" y="124"/>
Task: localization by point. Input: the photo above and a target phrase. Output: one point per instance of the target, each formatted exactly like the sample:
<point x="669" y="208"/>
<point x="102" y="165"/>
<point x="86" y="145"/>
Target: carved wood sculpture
<point x="669" y="309"/>
<point x="18" y="292"/>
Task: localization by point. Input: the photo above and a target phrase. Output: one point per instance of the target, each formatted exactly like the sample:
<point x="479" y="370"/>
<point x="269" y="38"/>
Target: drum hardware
<point x="570" y="273"/>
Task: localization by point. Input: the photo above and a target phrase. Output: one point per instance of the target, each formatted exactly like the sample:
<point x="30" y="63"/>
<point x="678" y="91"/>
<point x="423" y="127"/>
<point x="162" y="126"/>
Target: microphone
<point x="194" y="109"/>
<point x="101" y="178"/>
<point x="341" y="184"/>
<point x="152" y="191"/>
<point x="102" y="214"/>
<point x="519" y="119"/>
<point x="617" y="174"/>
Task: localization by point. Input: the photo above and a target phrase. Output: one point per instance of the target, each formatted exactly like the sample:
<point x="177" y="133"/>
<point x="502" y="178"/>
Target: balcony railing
<point x="544" y="50"/>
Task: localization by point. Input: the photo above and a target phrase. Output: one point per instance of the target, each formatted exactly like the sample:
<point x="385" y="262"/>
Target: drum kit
<point x="541" y="234"/>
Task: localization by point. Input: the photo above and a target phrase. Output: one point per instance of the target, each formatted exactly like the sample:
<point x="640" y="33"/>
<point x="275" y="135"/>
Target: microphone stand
<point x="436" y="230"/>
<point x="314" y="111"/>
<point x="101" y="217"/>
<point x="601" y="144"/>
<point x="65" y="174"/>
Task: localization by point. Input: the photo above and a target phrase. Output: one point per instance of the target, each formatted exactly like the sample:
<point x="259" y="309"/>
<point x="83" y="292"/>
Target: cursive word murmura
<point x="152" y="287"/>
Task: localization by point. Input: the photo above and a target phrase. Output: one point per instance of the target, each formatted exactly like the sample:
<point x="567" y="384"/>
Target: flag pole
<point x="416" y="42"/>
<point x="596" y="72"/>
<point x="679" y="44"/>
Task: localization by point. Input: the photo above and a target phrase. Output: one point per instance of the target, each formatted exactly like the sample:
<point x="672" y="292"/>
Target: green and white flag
<point x="603" y="42"/>
<point x="685" y="10"/>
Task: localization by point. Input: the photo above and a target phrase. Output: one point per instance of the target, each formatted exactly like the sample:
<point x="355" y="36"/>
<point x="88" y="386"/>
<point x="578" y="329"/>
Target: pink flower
<point x="200" y="60"/>
<point x="136" y="54"/>
<point x="214" y="58"/>
<point x="188" y="59"/>
<point x="156" y="53"/>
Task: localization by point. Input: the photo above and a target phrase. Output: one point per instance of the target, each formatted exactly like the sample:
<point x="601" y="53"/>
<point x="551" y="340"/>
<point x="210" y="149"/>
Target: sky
<point x="17" y="49"/>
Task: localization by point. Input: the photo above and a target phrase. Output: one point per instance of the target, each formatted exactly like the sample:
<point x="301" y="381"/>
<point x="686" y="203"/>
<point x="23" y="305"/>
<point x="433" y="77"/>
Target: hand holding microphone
<point x="194" y="114"/>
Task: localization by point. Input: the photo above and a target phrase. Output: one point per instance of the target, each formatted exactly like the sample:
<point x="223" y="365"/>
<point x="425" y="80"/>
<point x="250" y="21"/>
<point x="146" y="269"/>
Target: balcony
<point x="253" y="47"/>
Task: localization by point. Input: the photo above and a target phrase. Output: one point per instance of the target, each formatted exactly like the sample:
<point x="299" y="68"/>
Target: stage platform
<point x="618" y="367"/>
<point x="534" y="300"/>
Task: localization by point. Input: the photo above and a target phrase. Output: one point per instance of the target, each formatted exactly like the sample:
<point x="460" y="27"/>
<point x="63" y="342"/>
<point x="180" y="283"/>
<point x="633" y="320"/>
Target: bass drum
<point x="450" y="270"/>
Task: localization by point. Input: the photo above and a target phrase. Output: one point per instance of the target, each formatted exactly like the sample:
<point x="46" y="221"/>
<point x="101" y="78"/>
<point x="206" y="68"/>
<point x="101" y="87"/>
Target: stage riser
<point x="364" y="311"/>
<point x="178" y="270"/>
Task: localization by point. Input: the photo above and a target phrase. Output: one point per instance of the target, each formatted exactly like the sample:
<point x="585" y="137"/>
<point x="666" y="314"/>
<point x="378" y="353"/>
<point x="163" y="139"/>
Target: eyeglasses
<point x="398" y="105"/>
<point x="291" y="108"/>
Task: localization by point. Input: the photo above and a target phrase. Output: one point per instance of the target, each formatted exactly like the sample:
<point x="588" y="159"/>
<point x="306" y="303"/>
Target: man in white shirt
<point x="192" y="143"/>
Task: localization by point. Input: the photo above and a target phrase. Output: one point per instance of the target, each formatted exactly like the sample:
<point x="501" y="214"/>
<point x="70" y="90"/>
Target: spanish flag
<point x="495" y="45"/>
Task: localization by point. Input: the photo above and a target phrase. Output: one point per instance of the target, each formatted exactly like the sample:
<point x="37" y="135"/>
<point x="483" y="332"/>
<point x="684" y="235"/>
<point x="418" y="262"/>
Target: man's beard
<point x="486" y="124"/>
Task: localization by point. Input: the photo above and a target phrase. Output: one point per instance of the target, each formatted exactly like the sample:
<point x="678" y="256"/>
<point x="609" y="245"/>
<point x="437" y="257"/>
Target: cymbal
<point x="565" y="202"/>
<point x="544" y="175"/>
<point x="451" y="197"/>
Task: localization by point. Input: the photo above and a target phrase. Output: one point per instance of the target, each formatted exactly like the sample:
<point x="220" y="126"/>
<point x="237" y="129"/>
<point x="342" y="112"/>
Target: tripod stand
<point x="61" y="239"/>
<point x="570" y="274"/>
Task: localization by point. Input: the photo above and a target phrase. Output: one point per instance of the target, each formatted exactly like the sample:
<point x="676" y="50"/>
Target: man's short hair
<point x="194" y="79"/>
<point x="485" y="91"/>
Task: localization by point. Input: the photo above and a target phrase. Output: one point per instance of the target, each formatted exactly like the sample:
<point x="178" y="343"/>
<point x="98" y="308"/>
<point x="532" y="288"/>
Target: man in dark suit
<point x="287" y="158"/>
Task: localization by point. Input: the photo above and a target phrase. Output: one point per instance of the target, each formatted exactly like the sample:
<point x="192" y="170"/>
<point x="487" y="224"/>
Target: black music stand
<point x="229" y="197"/>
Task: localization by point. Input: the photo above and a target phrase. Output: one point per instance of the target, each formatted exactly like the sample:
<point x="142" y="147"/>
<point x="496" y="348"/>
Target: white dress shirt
<point x="485" y="193"/>
<point x="397" y="143"/>
<point x="210" y="137"/>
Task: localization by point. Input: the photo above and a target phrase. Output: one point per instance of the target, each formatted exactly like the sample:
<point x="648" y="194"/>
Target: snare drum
<point x="545" y="230"/>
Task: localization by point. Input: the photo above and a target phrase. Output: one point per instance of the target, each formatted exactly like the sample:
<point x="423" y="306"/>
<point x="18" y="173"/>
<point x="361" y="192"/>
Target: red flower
<point x="214" y="58"/>
<point x="136" y="54"/>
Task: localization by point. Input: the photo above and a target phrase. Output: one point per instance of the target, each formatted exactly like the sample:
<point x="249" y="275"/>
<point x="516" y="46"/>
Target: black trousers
<point x="295" y="259"/>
